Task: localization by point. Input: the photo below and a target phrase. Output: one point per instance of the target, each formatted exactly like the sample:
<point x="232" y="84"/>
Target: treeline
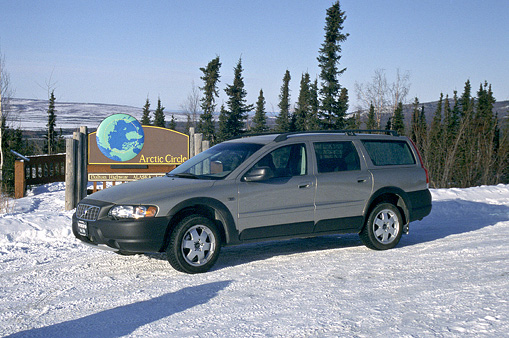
<point x="465" y="144"/>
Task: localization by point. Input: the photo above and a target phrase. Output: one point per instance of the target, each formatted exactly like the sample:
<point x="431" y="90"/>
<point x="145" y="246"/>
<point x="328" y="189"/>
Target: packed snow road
<point x="448" y="278"/>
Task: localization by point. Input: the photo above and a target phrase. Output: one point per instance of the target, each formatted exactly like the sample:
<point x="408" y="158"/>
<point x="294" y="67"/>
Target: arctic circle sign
<point x="122" y="149"/>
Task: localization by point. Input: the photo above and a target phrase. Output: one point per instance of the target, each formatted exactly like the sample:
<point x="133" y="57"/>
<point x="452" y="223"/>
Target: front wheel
<point x="383" y="228"/>
<point x="194" y="245"/>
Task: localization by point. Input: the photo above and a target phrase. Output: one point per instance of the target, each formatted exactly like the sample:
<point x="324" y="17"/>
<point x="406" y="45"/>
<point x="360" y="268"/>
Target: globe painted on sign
<point x="120" y="137"/>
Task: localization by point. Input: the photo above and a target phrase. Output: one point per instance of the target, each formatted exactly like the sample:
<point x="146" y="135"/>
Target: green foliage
<point x="464" y="146"/>
<point x="236" y="114"/>
<point x="283" y="119"/>
<point x="51" y="145"/>
<point x="371" y="122"/>
<point x="210" y="93"/>
<point x="145" y="119"/>
<point x="159" y="115"/>
<point x="260" y="117"/>
<point x="173" y="124"/>
<point x="333" y="99"/>
<point x="303" y="107"/>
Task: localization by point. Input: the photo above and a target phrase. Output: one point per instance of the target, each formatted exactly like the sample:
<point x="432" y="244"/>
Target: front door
<point x="282" y="205"/>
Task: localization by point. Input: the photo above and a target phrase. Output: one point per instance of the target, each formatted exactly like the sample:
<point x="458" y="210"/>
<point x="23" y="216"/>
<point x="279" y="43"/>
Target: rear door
<point x="343" y="186"/>
<point x="282" y="205"/>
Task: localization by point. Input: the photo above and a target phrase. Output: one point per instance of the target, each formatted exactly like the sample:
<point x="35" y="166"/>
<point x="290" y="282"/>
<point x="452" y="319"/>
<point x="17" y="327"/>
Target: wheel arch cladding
<point x="393" y="195"/>
<point x="210" y="208"/>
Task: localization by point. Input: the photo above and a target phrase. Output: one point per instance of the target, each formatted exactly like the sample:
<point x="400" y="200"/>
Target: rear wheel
<point x="194" y="245"/>
<point x="383" y="228"/>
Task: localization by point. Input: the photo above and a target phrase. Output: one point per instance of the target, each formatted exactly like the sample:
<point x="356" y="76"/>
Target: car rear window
<point x="386" y="152"/>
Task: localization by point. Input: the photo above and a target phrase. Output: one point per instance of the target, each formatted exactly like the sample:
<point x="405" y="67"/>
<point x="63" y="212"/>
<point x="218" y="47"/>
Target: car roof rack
<point x="351" y="132"/>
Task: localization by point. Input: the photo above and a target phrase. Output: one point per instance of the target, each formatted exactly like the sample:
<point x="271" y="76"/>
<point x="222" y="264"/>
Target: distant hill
<point x="31" y="115"/>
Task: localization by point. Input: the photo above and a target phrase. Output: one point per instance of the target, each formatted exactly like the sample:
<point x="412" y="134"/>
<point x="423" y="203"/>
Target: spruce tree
<point x="332" y="111"/>
<point x="283" y="119"/>
<point x="303" y="109"/>
<point x="159" y="115"/>
<point x="223" y="133"/>
<point x="173" y="124"/>
<point x="210" y="93"/>
<point x="260" y="117"/>
<point x="397" y="123"/>
<point x="237" y="105"/>
<point x="371" y="122"/>
<point x="145" y="119"/>
<point x="51" y="137"/>
<point x="313" y="120"/>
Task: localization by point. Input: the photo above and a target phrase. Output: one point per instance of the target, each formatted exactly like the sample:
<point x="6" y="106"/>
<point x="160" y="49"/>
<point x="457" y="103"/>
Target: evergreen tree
<point x="283" y="119"/>
<point x="173" y="124"/>
<point x="223" y="133"/>
<point x="371" y="122"/>
<point x="314" y="107"/>
<point x="51" y="137"/>
<point x="159" y="115"/>
<point x="354" y="121"/>
<point x="466" y="99"/>
<point x="437" y="146"/>
<point x="210" y="93"/>
<point x="303" y="106"/>
<point x="397" y="122"/>
<point x="332" y="112"/>
<point x="145" y="119"/>
<point x="237" y="105"/>
<point x="260" y="117"/>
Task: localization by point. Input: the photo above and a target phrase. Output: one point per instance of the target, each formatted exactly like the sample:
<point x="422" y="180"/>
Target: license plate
<point x="82" y="228"/>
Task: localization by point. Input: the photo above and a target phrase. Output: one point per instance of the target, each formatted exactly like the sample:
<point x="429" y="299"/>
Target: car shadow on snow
<point x="454" y="217"/>
<point x="123" y="320"/>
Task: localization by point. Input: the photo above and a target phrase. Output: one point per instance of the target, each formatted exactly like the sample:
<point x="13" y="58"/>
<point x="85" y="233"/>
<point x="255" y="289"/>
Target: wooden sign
<point x="123" y="150"/>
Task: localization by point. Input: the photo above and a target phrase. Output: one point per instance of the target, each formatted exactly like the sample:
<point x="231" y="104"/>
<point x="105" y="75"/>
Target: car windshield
<point x="217" y="162"/>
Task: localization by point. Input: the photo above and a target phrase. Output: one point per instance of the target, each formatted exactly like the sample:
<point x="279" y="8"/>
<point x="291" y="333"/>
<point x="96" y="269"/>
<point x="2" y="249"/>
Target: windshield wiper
<point x="184" y="175"/>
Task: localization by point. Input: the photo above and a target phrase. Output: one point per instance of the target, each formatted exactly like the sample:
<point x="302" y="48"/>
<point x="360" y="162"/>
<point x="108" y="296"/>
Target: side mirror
<point x="259" y="174"/>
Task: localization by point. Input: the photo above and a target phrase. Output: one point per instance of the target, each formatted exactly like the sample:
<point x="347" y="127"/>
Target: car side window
<point x="286" y="161"/>
<point x="336" y="156"/>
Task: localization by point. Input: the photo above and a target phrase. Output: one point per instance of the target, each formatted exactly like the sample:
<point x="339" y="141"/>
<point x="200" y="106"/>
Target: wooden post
<point x="197" y="143"/>
<point x="19" y="179"/>
<point x="70" y="174"/>
<point x="84" y="160"/>
<point x="205" y="145"/>
<point x="191" y="142"/>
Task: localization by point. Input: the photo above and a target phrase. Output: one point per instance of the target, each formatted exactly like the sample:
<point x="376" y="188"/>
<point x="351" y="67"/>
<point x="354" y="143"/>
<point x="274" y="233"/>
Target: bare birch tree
<point x="191" y="106"/>
<point x="383" y="96"/>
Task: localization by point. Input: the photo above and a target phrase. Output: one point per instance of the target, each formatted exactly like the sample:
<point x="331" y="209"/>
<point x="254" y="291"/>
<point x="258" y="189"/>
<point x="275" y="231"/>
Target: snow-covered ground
<point x="448" y="278"/>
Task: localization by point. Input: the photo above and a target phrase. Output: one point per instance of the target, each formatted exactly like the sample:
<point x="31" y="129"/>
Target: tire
<point x="383" y="228"/>
<point x="194" y="245"/>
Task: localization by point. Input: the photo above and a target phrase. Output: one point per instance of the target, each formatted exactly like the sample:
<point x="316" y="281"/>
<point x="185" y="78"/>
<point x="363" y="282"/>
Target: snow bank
<point x="449" y="277"/>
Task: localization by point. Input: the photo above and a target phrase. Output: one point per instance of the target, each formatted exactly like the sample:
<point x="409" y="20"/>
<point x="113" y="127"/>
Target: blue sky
<point x="122" y="52"/>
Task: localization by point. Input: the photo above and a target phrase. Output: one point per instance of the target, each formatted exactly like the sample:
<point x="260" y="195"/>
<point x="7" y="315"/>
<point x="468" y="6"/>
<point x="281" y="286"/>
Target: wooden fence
<point x="40" y="169"/>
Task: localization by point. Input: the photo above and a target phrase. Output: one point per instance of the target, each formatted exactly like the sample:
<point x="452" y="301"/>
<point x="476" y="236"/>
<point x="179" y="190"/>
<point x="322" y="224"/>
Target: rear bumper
<point x="420" y="202"/>
<point x="134" y="236"/>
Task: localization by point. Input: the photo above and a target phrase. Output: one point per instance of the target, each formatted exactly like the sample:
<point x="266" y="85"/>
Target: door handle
<point x="362" y="179"/>
<point x="305" y="185"/>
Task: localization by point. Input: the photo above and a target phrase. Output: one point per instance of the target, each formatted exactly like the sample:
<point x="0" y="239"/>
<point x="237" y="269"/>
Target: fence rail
<point x="40" y="169"/>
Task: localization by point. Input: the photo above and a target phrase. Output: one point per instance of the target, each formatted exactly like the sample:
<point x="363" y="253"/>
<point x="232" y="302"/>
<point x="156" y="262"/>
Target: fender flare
<point x="221" y="213"/>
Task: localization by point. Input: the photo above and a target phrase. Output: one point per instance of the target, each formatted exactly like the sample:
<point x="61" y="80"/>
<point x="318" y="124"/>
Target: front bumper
<point x="129" y="235"/>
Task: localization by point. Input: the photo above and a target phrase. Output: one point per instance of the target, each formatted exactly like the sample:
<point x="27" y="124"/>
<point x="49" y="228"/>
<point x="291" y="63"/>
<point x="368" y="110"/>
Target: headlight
<point x="130" y="211"/>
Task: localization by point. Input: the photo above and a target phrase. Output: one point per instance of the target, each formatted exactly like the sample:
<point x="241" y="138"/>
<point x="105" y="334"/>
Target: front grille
<point x="87" y="212"/>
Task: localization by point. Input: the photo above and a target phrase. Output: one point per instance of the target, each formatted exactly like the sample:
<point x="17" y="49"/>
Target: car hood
<point x="150" y="191"/>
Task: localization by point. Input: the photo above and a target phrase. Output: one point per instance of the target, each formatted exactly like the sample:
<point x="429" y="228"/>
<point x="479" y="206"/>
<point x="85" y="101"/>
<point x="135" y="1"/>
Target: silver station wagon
<point x="265" y="187"/>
